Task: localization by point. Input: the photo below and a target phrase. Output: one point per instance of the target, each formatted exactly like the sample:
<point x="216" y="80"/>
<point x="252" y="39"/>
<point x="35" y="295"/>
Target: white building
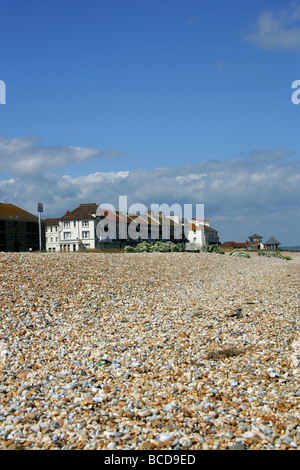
<point x="130" y="229"/>
<point x="199" y="231"/>
<point x="74" y="231"/>
<point x="78" y="228"/>
<point x="52" y="234"/>
<point x="89" y="227"/>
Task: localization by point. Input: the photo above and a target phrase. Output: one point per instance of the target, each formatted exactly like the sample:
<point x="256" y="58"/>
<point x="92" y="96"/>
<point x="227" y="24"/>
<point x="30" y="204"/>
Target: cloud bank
<point x="25" y="156"/>
<point x="258" y="191"/>
<point x="277" y="29"/>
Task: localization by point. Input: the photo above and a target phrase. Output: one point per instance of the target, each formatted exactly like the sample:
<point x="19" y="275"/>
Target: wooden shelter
<point x="272" y="244"/>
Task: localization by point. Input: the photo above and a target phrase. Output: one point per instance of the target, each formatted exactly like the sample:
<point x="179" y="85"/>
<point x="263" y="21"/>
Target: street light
<point x="40" y="209"/>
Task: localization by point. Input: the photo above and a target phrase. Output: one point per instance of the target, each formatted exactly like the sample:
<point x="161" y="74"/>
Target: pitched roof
<point x="12" y="212"/>
<point x="272" y="241"/>
<point x="233" y="245"/>
<point x="209" y="229"/>
<point x="206" y="228"/>
<point x="255" y="236"/>
<point x="83" y="212"/>
<point x="50" y="222"/>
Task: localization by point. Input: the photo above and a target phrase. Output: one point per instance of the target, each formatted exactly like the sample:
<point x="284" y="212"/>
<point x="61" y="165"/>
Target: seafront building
<point x="200" y="231"/>
<point x="75" y="230"/>
<point x="19" y="230"/>
<point x="89" y="226"/>
<point x="254" y="242"/>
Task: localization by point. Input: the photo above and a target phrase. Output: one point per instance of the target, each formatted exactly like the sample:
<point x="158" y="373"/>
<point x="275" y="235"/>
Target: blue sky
<point x="169" y="101"/>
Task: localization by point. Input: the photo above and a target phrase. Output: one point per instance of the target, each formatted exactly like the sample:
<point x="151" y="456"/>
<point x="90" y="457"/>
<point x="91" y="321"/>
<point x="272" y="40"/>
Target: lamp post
<point x="40" y="209"/>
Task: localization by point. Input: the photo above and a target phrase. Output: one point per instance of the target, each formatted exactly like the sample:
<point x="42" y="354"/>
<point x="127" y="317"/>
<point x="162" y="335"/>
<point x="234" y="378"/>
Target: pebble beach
<point x="149" y="351"/>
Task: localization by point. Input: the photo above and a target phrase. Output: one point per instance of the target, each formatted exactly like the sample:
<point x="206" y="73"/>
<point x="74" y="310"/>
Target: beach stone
<point x="149" y="351"/>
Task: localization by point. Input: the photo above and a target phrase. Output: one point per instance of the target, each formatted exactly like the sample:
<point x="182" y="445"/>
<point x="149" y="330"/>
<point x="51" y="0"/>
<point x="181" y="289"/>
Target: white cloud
<point x="189" y="178"/>
<point x="25" y="156"/>
<point x="277" y="29"/>
<point x="259" y="191"/>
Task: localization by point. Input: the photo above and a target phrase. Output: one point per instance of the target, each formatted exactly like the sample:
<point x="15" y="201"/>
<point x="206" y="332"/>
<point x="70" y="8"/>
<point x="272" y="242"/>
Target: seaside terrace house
<point x="73" y="231"/>
<point x="90" y="226"/>
<point x="19" y="230"/>
<point x="200" y="231"/>
<point x="52" y="234"/>
<point x="78" y="228"/>
<point x="116" y="229"/>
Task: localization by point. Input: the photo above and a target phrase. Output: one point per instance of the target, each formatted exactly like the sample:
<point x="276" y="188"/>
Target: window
<point x="51" y="228"/>
<point x="67" y="223"/>
<point x="67" y="235"/>
<point x="85" y="234"/>
<point x="85" y="223"/>
<point x="74" y="223"/>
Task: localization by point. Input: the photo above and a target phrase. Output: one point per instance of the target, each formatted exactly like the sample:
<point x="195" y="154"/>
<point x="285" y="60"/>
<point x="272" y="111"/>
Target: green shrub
<point x="192" y="246"/>
<point x="179" y="247"/>
<point x="163" y="247"/>
<point x="218" y="249"/>
<point x="275" y="254"/>
<point x="240" y="253"/>
<point x="212" y="249"/>
<point x="129" y="249"/>
<point x="143" y="246"/>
